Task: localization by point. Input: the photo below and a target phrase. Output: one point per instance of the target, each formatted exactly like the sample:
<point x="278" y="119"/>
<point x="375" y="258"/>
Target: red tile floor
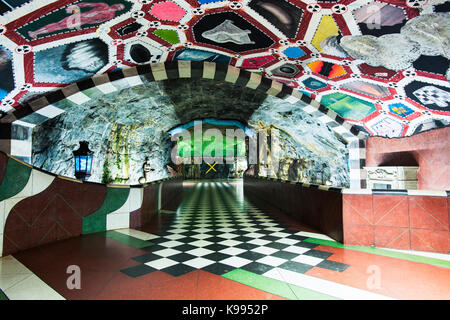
<point x="218" y="246"/>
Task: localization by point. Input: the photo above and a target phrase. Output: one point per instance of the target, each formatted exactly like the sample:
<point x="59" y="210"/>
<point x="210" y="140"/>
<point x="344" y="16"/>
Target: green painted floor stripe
<point x="126" y="239"/>
<point x="3" y="296"/>
<point x="274" y="286"/>
<point x="382" y="252"/>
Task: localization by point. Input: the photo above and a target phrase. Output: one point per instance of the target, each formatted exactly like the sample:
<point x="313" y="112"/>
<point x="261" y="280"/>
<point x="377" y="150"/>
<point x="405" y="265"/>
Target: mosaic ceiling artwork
<point x="380" y="64"/>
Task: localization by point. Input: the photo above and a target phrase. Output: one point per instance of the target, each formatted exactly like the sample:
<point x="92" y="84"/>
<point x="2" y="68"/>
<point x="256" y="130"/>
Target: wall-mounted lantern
<point x="83" y="161"/>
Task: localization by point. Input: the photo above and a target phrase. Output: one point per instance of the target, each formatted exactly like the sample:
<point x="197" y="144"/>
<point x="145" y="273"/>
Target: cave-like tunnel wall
<point x="126" y="126"/>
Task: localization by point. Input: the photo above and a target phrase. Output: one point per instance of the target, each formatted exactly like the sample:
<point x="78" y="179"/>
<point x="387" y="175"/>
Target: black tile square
<point x="246" y="246"/>
<point x="146" y="258"/>
<point x="214" y="233"/>
<point x="266" y="232"/>
<point x="188" y="232"/>
<point x="284" y="255"/>
<point x="333" y="265"/>
<point x="297" y="237"/>
<point x="240" y="232"/>
<point x="287" y="227"/>
<point x="187" y="240"/>
<point x="242" y="238"/>
<point x="215" y="247"/>
<point x="218" y="268"/>
<point x="256" y="267"/>
<point x="269" y="238"/>
<point x="181" y="257"/>
<point x="214" y="239"/>
<point x="163" y="233"/>
<point x="138" y="270"/>
<point x="178" y="269"/>
<point x="184" y="247"/>
<point x="216" y="256"/>
<point x="277" y="245"/>
<point x="251" y="255"/>
<point x="295" y="266"/>
<point x="154" y="248"/>
<point x="55" y="96"/>
<point x="306" y="245"/>
<point x="159" y="240"/>
<point x="238" y="227"/>
<point x="318" y="254"/>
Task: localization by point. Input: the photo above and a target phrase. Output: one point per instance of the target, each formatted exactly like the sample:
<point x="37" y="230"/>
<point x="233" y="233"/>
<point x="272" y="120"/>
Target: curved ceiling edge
<point x="177" y="70"/>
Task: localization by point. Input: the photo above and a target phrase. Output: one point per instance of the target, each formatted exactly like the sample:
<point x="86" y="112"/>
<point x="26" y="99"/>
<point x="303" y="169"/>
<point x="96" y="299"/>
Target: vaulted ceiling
<point x="382" y="65"/>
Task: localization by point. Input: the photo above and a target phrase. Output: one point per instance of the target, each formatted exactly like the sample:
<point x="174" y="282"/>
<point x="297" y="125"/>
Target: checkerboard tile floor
<point x="215" y="229"/>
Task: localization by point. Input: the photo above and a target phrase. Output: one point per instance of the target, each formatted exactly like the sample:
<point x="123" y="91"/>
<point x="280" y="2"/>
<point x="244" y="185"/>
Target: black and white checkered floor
<point x="217" y="230"/>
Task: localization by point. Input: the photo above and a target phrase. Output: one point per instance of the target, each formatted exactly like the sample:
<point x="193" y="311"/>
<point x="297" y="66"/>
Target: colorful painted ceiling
<point x="382" y="65"/>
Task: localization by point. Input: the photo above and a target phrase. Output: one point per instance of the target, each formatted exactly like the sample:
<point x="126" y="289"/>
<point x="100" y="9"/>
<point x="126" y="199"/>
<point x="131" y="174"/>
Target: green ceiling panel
<point x="347" y="106"/>
<point x="170" y="36"/>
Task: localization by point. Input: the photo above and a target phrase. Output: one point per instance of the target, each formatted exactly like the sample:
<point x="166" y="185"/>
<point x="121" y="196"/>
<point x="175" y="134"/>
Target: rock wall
<point x="124" y="128"/>
<point x="312" y="145"/>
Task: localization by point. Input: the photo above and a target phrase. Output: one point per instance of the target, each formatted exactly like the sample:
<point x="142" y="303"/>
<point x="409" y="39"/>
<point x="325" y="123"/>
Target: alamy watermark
<point x="374" y="280"/>
<point x="74" y="280"/>
<point x="263" y="146"/>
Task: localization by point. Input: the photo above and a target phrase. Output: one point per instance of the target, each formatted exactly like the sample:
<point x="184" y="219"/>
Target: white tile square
<point x="271" y="225"/>
<point x="250" y="229"/>
<point x="78" y="98"/>
<point x="286" y="241"/>
<point x="236" y="262"/>
<point x="226" y="230"/>
<point x="171" y="244"/>
<point x="225" y="224"/>
<point x="201" y="243"/>
<point x="259" y="242"/>
<point x="265" y="250"/>
<point x="295" y="249"/>
<point x="228" y="235"/>
<point x="174" y="236"/>
<point x="199" y="252"/>
<point x="179" y="228"/>
<point x="254" y="235"/>
<point x="272" y="261"/>
<point x="50" y="111"/>
<point x="161" y="263"/>
<point x="198" y="262"/>
<point x="201" y="236"/>
<point x="204" y="225"/>
<point x="232" y="251"/>
<point x="275" y="229"/>
<point x="202" y="230"/>
<point x="166" y="252"/>
<point x="138" y="234"/>
<point x="280" y="234"/>
<point x="313" y="261"/>
<point x="230" y="243"/>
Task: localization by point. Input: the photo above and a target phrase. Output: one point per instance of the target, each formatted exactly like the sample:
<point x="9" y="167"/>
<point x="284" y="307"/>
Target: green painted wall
<point x="96" y="222"/>
<point x="15" y="179"/>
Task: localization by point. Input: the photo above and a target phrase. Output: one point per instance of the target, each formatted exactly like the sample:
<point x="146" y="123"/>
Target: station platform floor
<point x="219" y="246"/>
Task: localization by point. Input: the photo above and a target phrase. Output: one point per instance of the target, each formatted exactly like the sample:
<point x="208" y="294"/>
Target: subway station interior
<point x="224" y="150"/>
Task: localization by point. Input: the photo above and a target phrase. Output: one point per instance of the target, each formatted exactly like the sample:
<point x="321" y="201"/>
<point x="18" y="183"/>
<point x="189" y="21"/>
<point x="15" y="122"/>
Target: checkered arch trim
<point x="16" y="126"/>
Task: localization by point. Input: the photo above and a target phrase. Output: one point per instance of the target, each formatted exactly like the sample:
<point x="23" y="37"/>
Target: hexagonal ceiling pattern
<point x="382" y="65"/>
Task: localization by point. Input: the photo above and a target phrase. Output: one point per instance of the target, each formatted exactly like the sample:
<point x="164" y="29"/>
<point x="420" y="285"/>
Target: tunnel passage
<point x="129" y="126"/>
<point x="291" y="106"/>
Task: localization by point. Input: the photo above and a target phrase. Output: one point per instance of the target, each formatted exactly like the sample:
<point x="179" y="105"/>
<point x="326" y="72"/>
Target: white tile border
<point x="25" y="284"/>
<point x="323" y="286"/>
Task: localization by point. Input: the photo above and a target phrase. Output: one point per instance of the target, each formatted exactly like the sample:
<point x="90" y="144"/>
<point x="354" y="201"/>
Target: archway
<point x="15" y="127"/>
